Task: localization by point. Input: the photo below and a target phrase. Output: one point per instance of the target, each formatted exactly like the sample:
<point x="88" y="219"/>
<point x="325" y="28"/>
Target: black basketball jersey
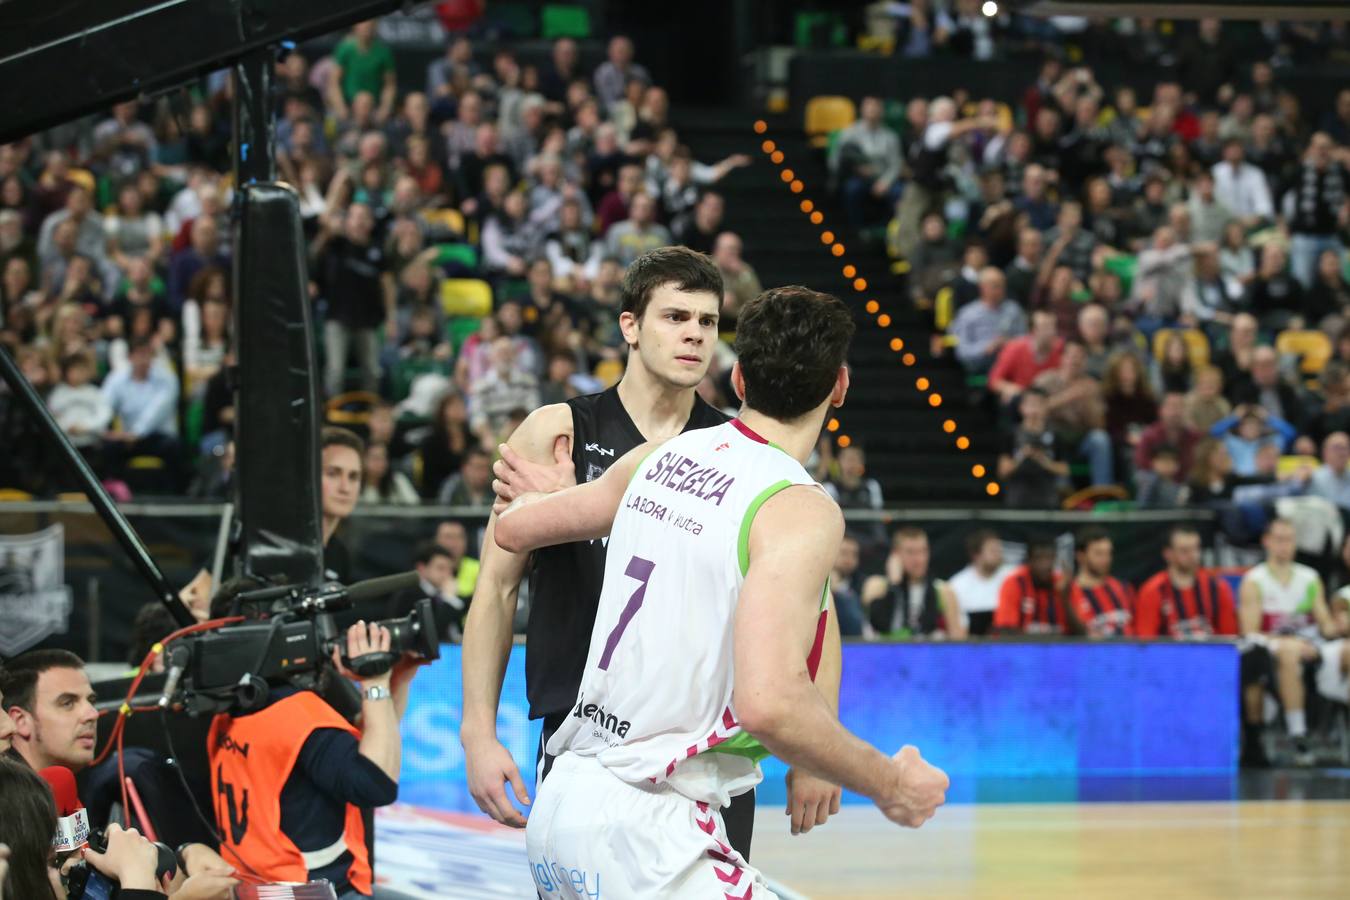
<point x="565" y="580"/>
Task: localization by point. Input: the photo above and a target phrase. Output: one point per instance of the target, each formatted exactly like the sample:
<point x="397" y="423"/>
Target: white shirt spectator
<point x="82" y="412"/>
<point x="1243" y="189"/>
<point x="1331" y="485"/>
<point x="976" y="593"/>
<point x="145" y="407"/>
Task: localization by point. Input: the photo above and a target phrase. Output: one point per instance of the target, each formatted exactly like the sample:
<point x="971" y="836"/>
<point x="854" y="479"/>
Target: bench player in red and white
<point x="708" y="633"/>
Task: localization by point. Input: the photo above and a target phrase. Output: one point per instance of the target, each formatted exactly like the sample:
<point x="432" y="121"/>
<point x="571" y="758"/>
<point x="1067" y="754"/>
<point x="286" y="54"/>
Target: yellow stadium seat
<point x="944" y="308"/>
<point x="1290" y="464"/>
<point x="609" y="371"/>
<point x="351" y="408"/>
<point x="1313" y="349"/>
<point x="466" y="297"/>
<point x="450" y="219"/>
<point x="1197" y="345"/>
<point x="825" y="114"/>
<point x="14" y="495"/>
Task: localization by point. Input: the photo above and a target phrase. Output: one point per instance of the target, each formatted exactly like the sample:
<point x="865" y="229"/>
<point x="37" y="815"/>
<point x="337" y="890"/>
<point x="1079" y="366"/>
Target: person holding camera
<point x="291" y="780"/>
<point x="30" y="869"/>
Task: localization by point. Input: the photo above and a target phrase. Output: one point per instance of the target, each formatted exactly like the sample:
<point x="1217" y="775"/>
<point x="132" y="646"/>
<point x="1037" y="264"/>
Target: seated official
<point x="435" y="581"/>
<point x="292" y="780"/>
<point x="907" y="601"/>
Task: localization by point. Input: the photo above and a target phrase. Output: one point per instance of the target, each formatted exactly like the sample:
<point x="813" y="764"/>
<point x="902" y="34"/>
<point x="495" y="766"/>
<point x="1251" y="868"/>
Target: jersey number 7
<point x="641" y="569"/>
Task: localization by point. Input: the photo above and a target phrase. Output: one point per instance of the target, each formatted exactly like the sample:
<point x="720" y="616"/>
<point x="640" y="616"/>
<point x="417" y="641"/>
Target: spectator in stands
<point x="1071" y="244"/>
<point x="353" y="275"/>
<point x="1034" y="201"/>
<point x="637" y="234"/>
<point x="1209" y="297"/>
<point x="342" y="455"/>
<point x="699" y="231"/>
<point x="1161" y="485"/>
<point x="563" y="68"/>
<point x="1246" y="431"/>
<point x="91" y="239"/>
<point x="851" y="488"/>
<point x="435" y="582"/>
<point x="1326" y="304"/>
<point x="1172" y="372"/>
<point x="1171" y="430"/>
<point x="79" y="407"/>
<point x="1241" y="186"/>
<point x="1274" y="296"/>
<point x="935" y="260"/>
<point x="1164" y="270"/>
<point x="865" y="162"/>
<point x="741" y="284"/>
<point x="1183" y="600"/>
<point x="1331" y="480"/>
<point x="907" y="601"/>
<point x="509" y="239"/>
<point x="381" y="482"/>
<point x="977" y="586"/>
<point x="454" y="539"/>
<point x="1021" y="359"/>
<point x="362" y="64"/>
<point x="845" y="589"/>
<point x="1032" y="599"/>
<point x="1205" y="403"/>
<point x="502" y="390"/>
<point x="613" y="75"/>
<point x="143" y="397"/>
<point x="1026" y="266"/>
<point x="204" y="250"/>
<point x="1209" y="215"/>
<point x="472" y="484"/>
<point x="1315" y="207"/>
<point x="1266" y="388"/>
<point x="981" y="329"/>
<point x="1031" y="463"/>
<point x="1076" y="411"/>
<point x="1104" y="604"/>
<point x="927" y="159"/>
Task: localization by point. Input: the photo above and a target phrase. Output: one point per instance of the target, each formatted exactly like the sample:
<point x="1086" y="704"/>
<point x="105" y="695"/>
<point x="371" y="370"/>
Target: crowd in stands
<point x="1149" y="286"/>
<point x="466" y="240"/>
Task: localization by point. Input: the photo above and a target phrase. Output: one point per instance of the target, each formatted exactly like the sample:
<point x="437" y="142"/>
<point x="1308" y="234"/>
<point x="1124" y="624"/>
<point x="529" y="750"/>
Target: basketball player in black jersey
<point x="671" y="298"/>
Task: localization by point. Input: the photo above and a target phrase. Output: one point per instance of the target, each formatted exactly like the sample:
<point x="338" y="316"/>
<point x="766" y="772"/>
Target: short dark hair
<point x="1181" y="528"/>
<point x="908" y="533"/>
<point x="791" y="342"/>
<point x="976" y="540"/>
<point x="428" y="550"/>
<point x="333" y="436"/>
<point x="1040" y="545"/>
<point x="18" y="680"/>
<point x="1089" y="536"/>
<point x="688" y="270"/>
<point x="153" y="623"/>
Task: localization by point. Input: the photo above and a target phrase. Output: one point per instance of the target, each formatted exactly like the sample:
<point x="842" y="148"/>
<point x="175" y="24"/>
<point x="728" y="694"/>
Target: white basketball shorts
<point x="592" y="836"/>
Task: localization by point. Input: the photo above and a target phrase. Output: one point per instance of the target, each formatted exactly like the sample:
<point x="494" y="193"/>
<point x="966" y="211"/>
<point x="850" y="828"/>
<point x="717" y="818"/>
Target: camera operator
<point x="291" y="780"/>
<point x="30" y="870"/>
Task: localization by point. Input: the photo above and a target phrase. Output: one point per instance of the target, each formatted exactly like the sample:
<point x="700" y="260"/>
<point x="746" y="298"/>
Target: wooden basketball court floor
<point x="1277" y="835"/>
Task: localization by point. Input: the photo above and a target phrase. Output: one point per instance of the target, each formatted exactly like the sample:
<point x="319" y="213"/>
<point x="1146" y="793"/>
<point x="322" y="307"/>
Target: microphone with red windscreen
<point x="72" y="822"/>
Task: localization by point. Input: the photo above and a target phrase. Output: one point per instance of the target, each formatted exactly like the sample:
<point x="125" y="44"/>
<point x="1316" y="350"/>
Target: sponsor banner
<point x="34" y="599"/>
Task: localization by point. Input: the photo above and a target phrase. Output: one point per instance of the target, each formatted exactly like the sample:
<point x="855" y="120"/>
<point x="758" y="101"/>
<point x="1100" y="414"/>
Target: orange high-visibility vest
<point x="251" y="758"/>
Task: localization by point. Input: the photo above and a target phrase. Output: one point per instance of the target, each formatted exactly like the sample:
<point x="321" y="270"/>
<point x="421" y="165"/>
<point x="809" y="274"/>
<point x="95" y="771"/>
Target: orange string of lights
<point x="792" y="180"/>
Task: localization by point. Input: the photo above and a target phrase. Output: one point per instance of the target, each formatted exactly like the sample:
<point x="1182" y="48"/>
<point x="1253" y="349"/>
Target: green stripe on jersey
<point x="742" y="744"/>
<point x="743" y="542"/>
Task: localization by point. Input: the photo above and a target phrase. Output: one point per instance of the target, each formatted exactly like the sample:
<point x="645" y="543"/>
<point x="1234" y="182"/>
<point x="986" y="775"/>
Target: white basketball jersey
<point x="1287" y="607"/>
<point x="656" y="698"/>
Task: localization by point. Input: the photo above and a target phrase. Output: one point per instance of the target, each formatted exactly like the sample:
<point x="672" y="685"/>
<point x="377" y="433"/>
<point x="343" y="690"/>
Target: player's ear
<point x="738" y="381"/>
<point x="630" y="327"/>
<point x="841" y="382"/>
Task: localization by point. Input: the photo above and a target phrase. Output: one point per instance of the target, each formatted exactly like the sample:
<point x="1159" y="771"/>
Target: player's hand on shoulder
<point x="538" y="457"/>
<point x="811" y="800"/>
<point x="488" y="767"/>
<point x="918" y="790"/>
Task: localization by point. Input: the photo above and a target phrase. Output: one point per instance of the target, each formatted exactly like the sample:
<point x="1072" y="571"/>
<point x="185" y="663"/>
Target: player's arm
<point x="487" y="637"/>
<point x="1147" y="611"/>
<point x="812" y="800"/>
<point x="1007" y="615"/>
<point x="793" y="542"/>
<point x="581" y="513"/>
<point x="1326" y="625"/>
<point x="1249" y="614"/>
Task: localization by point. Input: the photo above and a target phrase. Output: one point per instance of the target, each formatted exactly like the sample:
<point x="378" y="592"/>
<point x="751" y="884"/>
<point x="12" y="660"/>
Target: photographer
<point x="34" y="873"/>
<point x="291" y="780"/>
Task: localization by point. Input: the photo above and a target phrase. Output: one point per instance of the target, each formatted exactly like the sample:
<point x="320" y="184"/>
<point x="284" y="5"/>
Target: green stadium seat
<point x="565" y="20"/>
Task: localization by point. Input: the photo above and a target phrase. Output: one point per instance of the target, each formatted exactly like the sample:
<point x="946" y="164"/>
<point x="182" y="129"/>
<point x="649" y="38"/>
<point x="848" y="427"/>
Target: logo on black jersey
<point x="596" y="448"/>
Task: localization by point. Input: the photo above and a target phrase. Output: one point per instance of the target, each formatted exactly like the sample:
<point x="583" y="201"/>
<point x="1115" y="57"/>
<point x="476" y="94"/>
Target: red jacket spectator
<point x="1023" y="358"/>
<point x="1024" y="607"/>
<point x="1204" y="609"/>
<point x="1170" y="430"/>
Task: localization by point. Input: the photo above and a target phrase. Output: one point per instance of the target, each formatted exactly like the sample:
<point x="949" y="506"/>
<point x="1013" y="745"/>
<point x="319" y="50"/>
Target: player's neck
<point x="1088" y="580"/>
<point x="797" y="438"/>
<point x="1181" y="579"/>
<point x="1281" y="570"/>
<point x="330" y="525"/>
<point x="659" y="410"/>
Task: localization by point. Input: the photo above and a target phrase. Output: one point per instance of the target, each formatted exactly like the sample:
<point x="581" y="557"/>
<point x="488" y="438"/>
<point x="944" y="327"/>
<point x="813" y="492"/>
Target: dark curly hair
<point x="791" y="342"/>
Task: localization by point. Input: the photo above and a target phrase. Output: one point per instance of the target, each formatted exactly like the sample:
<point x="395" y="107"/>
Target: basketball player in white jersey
<point x="708" y="632"/>
<point x="1283" y="607"/>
